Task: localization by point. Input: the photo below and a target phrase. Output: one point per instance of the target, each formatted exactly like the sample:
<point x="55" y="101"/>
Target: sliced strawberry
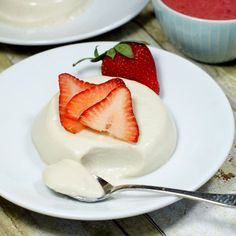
<point x="69" y="86"/>
<point x="82" y="101"/>
<point x="73" y="126"/>
<point x="114" y="115"/>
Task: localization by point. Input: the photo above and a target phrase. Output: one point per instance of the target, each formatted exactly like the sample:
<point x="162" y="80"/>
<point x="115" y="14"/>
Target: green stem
<point x="87" y="58"/>
<point x="92" y="59"/>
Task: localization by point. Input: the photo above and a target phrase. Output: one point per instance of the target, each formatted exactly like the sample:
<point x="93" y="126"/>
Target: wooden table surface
<point x="182" y="218"/>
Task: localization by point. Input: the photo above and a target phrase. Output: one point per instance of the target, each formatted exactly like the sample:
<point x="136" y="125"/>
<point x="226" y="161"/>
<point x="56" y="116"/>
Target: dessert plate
<point x="200" y="109"/>
<point x="99" y="17"/>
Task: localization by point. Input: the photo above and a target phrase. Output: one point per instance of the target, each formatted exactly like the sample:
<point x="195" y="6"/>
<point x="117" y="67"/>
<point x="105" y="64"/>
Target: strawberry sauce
<point x="205" y="9"/>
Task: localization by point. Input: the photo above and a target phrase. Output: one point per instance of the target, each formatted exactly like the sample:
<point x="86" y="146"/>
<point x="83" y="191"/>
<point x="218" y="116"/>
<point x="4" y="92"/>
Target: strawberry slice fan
<point x="130" y="60"/>
<point x="70" y="86"/>
<point x="83" y="100"/>
<point x="105" y="107"/>
<point x="113" y="115"/>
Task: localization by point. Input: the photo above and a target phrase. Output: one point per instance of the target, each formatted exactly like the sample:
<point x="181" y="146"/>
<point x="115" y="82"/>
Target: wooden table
<point x="182" y="218"/>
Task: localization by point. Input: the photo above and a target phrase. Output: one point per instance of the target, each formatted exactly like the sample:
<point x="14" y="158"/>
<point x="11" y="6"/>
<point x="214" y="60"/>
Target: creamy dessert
<point x="71" y="178"/>
<point x="40" y="12"/>
<point x="102" y="154"/>
<point x="115" y="128"/>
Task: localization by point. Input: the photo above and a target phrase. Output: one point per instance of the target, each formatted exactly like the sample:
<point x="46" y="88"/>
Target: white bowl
<point x="211" y="41"/>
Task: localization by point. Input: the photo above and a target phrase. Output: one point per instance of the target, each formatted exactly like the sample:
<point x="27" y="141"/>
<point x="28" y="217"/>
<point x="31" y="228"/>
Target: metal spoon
<point x="227" y="200"/>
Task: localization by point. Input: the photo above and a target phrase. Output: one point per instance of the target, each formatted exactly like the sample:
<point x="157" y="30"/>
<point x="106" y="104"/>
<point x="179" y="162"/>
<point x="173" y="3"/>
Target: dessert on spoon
<point x="100" y="190"/>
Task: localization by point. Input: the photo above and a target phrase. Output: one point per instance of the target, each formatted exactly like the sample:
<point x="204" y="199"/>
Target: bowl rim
<point x="192" y="17"/>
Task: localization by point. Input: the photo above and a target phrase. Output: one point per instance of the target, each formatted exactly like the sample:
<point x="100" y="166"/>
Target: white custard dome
<point x="102" y="154"/>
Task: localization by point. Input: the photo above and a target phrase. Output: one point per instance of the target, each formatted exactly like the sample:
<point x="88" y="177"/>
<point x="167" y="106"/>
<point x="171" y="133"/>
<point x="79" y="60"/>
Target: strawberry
<point x="69" y="86"/>
<point x="82" y="101"/>
<point x="113" y="115"/>
<point x="130" y="60"/>
<point x="72" y="126"/>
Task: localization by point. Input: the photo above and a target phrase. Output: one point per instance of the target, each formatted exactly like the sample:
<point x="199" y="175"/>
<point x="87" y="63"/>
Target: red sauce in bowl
<point x="205" y="9"/>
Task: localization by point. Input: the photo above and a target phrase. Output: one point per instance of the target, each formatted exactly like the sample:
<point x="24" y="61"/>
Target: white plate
<point x="100" y="17"/>
<point x="201" y="111"/>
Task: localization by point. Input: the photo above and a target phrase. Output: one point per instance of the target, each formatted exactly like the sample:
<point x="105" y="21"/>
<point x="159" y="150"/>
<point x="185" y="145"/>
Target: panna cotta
<point x="40" y="12"/>
<point x="71" y="178"/>
<point x="102" y="154"/>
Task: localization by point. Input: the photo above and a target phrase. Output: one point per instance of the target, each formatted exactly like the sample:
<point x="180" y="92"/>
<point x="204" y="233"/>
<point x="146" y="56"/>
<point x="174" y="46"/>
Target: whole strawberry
<point x="130" y="60"/>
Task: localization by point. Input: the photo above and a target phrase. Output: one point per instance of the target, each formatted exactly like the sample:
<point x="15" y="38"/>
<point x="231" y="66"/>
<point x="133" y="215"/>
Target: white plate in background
<point x="99" y="17"/>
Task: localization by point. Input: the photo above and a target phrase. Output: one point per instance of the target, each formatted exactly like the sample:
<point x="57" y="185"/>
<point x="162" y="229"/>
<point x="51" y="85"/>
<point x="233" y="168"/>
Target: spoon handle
<point x="228" y="200"/>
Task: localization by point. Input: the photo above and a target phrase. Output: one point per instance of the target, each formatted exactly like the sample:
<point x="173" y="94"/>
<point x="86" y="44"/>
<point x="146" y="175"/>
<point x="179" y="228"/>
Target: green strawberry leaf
<point x="96" y="54"/>
<point x="98" y="58"/>
<point x="124" y="49"/>
<point x="111" y="53"/>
